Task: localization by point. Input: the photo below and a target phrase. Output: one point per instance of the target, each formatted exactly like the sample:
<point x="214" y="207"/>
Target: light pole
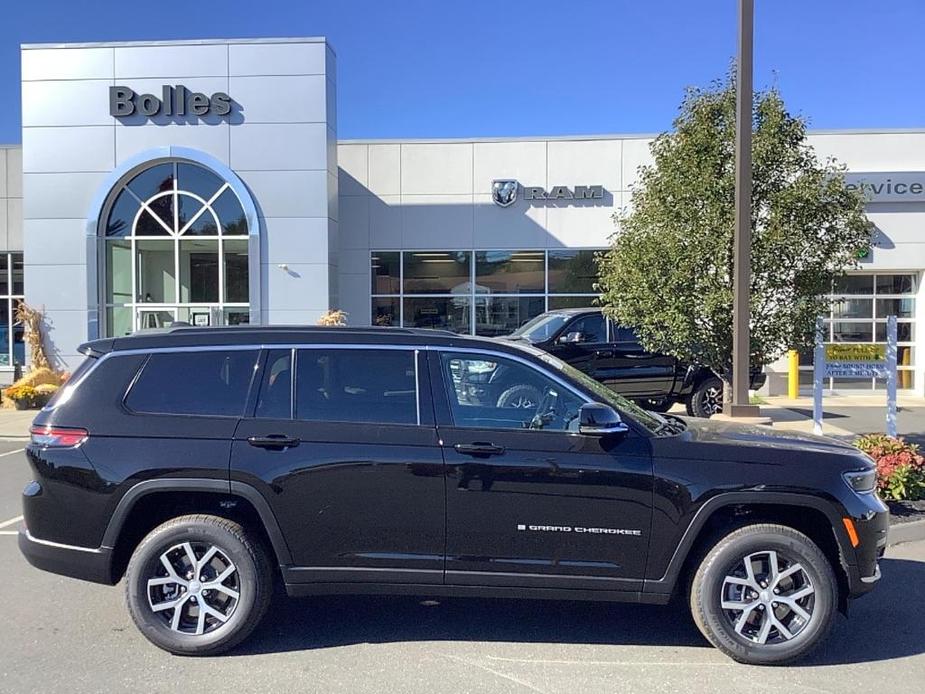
<point x="739" y="407"/>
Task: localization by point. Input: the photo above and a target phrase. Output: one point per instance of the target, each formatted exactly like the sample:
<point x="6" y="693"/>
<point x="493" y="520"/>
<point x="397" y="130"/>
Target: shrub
<point x="900" y="467"/>
<point x="20" y="392"/>
<point x="44" y="393"/>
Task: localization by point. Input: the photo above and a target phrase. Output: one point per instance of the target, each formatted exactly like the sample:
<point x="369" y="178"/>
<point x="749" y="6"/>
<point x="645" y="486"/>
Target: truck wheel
<point x="764" y="595"/>
<point x="198" y="585"/>
<point x="707" y="398"/>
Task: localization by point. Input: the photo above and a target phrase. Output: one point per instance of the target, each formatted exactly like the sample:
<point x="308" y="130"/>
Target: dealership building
<point x="203" y="181"/>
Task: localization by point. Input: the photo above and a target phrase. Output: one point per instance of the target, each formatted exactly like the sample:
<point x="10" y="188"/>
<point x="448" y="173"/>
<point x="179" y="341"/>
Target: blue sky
<point x="544" y="67"/>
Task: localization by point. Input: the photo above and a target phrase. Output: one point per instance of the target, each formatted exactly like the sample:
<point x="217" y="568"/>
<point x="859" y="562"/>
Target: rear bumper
<point x="67" y="560"/>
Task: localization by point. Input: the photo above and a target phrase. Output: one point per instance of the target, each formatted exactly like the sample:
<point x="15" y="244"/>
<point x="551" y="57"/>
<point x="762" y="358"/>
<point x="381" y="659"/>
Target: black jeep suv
<point x="611" y="354"/>
<point x="204" y="464"/>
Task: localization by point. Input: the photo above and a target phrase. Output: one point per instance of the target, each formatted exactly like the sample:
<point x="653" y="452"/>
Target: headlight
<point x="861" y="481"/>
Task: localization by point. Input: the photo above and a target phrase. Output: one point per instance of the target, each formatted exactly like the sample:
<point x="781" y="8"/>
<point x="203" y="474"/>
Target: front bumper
<point x="67" y="560"/>
<point x="872" y="527"/>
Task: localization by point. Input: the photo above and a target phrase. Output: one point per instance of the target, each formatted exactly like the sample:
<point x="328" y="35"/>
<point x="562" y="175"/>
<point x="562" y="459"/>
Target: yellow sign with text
<point x="855" y="352"/>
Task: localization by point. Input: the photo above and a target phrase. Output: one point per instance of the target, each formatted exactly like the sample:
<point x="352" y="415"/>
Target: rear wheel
<point x="764" y="595"/>
<point x="198" y="585"/>
<point x="707" y="398"/>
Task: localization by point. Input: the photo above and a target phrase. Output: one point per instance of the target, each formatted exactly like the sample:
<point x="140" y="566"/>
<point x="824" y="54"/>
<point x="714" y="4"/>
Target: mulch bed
<point x="906" y="511"/>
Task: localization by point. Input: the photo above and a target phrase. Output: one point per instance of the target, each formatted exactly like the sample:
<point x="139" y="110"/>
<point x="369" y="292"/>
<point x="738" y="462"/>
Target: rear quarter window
<point x="64" y="392"/>
<point x="208" y="383"/>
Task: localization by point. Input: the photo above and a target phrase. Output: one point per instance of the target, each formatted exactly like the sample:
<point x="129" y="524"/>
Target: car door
<point x="529" y="501"/>
<point x="343" y="447"/>
<point x="632" y="370"/>
<point x="582" y="342"/>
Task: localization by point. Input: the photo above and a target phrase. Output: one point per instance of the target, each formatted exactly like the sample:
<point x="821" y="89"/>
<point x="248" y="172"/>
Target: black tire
<point x="251" y="580"/>
<point x="520" y="397"/>
<point x="719" y="625"/>
<point x="707" y="398"/>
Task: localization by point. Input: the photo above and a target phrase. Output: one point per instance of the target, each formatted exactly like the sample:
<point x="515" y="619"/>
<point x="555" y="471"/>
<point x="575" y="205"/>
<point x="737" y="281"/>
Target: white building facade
<point x="225" y="197"/>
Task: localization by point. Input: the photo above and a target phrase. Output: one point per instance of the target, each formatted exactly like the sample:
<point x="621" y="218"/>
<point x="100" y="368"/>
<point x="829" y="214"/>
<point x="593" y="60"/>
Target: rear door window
<point x="207" y="383"/>
<point x="356" y="385"/>
<point x="275" y="398"/>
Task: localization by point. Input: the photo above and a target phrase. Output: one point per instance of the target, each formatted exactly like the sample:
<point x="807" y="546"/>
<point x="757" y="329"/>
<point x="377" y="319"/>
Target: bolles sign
<point x="174" y="101"/>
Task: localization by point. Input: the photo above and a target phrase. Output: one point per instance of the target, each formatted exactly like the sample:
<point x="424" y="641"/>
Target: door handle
<point x="479" y="450"/>
<point x="273" y="441"/>
<point x="604" y="353"/>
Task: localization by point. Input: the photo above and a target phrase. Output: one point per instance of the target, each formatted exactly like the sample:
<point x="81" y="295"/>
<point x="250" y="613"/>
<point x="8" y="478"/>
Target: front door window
<point x="492" y="392"/>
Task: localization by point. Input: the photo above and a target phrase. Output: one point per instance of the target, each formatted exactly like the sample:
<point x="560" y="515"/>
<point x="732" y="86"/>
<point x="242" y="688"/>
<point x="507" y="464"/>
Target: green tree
<point x="669" y="270"/>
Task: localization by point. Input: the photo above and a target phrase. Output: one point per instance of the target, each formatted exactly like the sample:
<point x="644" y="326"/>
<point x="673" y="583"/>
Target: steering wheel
<point x="546" y="410"/>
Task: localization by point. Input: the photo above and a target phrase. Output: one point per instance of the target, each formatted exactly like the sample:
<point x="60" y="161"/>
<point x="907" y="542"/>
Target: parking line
<point x="9" y="532"/>
<point x="18" y="450"/>
<point x="11" y="521"/>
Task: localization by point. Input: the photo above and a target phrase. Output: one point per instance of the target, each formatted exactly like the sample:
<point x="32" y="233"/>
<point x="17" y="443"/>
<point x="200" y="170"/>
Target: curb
<point x="913" y="531"/>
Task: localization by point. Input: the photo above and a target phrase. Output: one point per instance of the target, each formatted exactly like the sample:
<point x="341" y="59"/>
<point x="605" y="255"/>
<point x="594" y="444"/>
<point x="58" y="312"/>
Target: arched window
<point x="176" y="241"/>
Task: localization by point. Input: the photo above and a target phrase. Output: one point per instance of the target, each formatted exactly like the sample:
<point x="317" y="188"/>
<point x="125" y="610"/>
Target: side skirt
<point x="423" y="589"/>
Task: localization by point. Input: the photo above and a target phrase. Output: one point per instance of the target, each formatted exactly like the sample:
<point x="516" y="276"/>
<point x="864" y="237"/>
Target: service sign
<point x="855" y="361"/>
<point x="855" y="352"/>
<point x="881" y="186"/>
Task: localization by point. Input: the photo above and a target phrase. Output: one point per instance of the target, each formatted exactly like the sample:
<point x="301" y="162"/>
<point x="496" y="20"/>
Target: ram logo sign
<point x="504" y="193"/>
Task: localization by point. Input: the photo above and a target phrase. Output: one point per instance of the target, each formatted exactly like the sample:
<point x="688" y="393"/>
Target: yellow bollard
<point x="793" y="374"/>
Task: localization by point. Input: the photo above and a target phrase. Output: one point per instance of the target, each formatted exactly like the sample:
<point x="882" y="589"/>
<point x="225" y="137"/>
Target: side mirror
<point x="572" y="338"/>
<point x="596" y="419"/>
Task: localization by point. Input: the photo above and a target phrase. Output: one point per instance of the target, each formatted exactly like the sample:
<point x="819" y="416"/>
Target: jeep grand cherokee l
<point x="204" y="464"/>
<point x="611" y="354"/>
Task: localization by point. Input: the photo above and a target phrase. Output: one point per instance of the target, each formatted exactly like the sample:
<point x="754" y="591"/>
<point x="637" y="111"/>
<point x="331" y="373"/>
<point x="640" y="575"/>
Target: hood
<point x="751" y="436"/>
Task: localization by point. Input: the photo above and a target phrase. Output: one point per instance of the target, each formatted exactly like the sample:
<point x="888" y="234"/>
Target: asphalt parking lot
<point x="63" y="635"/>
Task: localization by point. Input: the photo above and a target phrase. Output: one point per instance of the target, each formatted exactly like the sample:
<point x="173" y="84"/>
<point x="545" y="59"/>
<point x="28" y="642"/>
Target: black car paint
<point x="623" y="365"/>
<point x="394" y="508"/>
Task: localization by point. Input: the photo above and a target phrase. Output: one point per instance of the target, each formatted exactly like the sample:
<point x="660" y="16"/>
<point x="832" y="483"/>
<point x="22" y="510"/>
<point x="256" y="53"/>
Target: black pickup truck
<point x="611" y="354"/>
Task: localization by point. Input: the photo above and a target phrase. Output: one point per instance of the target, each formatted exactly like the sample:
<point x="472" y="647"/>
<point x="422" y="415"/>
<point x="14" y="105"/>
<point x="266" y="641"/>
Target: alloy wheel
<point x="712" y="400"/>
<point x="194" y="588"/>
<point x="768" y="599"/>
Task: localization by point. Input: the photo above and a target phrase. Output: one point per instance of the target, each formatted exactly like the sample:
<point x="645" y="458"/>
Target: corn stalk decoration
<point x="33" y="319"/>
<point x="333" y="317"/>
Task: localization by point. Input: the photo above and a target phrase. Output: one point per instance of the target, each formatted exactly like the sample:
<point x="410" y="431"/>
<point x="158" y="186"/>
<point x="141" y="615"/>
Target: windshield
<point x="653" y="422"/>
<point x="541" y="328"/>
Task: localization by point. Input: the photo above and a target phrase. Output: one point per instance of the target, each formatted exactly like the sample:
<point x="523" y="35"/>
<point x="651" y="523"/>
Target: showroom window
<point x="176" y="247"/>
<point x="482" y="292"/>
<point x="861" y="304"/>
<point x="12" y="345"/>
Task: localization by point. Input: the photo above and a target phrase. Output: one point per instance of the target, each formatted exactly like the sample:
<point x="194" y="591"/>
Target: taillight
<point x="58" y="437"/>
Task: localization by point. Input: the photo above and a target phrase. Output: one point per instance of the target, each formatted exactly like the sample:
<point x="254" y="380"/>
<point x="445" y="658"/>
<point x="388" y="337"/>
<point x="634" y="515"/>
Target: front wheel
<point x="764" y="595"/>
<point x="198" y="585"/>
<point x="707" y="398"/>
